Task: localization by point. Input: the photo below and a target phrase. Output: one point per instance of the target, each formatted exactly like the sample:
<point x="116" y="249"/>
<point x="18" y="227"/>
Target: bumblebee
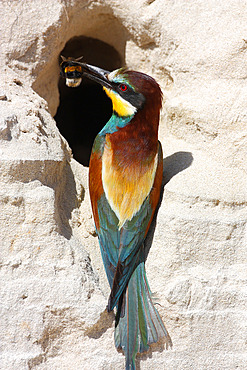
<point x="72" y="71"/>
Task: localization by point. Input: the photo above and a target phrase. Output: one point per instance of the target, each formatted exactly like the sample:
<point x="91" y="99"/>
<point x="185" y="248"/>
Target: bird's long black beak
<point x="74" y="71"/>
<point x="96" y="74"/>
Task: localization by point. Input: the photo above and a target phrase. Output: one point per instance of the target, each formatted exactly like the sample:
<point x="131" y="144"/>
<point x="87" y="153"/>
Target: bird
<point x="125" y="179"/>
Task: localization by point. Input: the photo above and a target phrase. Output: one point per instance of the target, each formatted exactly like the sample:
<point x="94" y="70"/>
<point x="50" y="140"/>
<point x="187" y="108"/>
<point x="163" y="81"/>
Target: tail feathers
<point x="141" y="324"/>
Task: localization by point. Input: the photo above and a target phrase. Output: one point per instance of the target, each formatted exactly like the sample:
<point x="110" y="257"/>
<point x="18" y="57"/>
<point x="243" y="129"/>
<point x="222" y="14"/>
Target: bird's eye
<point x="123" y="87"/>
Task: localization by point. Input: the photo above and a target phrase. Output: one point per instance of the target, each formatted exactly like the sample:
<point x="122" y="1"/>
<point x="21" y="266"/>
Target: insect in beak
<point x="72" y="71"/>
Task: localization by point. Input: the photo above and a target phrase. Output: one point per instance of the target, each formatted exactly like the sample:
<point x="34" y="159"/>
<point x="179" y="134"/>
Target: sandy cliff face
<point x="53" y="287"/>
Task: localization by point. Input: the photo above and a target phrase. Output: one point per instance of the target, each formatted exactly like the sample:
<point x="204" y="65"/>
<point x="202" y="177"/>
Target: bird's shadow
<point x="175" y="163"/>
<point x="103" y="323"/>
<point x="154" y="347"/>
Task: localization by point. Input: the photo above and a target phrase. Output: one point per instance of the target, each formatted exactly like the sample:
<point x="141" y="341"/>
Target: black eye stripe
<point x="134" y="98"/>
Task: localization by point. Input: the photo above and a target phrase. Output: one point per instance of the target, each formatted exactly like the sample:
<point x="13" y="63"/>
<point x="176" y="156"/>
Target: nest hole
<point x="84" y="110"/>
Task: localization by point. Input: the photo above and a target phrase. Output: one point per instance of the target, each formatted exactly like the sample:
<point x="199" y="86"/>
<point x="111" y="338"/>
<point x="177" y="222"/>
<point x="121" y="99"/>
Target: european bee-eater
<point x="125" y="176"/>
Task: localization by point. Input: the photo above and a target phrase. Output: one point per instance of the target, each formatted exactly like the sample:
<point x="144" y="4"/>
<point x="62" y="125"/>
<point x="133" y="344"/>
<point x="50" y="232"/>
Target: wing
<point x="106" y="222"/>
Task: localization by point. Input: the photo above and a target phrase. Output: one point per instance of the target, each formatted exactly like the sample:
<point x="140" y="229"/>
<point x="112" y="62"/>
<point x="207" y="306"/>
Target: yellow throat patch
<point x="122" y="107"/>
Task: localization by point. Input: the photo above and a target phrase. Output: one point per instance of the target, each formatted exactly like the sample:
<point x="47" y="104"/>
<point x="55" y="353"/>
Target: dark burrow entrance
<point x="84" y="110"/>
